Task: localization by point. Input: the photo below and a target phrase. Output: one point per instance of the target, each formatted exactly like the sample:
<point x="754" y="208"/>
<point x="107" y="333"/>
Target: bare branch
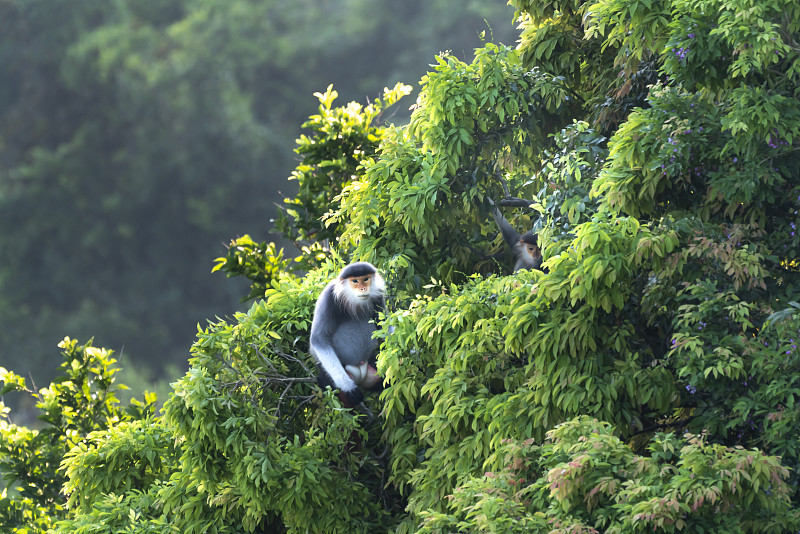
<point x="283" y="355"/>
<point x="658" y="426"/>
<point x="280" y="400"/>
<point x="305" y="401"/>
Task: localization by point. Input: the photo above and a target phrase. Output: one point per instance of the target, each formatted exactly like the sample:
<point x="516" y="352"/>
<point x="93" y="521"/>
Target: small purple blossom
<point x="691" y="389"/>
<point x="776" y="141"/>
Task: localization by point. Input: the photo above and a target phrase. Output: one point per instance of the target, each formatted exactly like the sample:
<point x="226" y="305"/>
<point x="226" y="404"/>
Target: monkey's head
<point x="528" y="245"/>
<point x="359" y="287"/>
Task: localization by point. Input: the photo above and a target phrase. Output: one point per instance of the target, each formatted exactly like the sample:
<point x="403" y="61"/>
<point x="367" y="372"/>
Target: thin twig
<point x="306" y="400"/>
<point x="284" y="378"/>
<point x="280" y="400"/>
<point x="295" y="360"/>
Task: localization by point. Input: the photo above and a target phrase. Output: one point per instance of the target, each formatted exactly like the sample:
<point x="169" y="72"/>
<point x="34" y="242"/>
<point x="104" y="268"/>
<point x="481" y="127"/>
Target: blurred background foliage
<point x="138" y="137"/>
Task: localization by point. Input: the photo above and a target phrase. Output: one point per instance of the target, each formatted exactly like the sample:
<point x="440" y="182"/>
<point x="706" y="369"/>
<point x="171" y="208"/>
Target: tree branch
<point x="680" y="423"/>
<point x="508" y="200"/>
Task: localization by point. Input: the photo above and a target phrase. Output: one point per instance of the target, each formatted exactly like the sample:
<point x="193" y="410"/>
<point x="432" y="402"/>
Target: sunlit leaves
<point x="77" y="405"/>
<point x="484" y="104"/>
<point x="585" y="479"/>
<point x="339" y="140"/>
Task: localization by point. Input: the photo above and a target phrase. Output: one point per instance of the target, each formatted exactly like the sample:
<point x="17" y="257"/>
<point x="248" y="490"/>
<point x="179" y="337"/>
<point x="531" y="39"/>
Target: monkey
<point x="527" y="253"/>
<point x="341" y="332"/>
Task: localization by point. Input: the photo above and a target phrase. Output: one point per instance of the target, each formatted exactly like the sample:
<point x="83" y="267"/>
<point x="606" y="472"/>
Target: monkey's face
<point x="358" y="295"/>
<point x="532" y="251"/>
<point x="359" y="287"/>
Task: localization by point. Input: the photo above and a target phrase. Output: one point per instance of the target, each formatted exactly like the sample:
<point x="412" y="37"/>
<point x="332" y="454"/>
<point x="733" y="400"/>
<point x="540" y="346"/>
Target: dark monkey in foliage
<point x="527" y="254"/>
<point x="341" y="332"/>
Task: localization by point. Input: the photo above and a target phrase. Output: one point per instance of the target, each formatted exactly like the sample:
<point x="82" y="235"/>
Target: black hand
<point x="352" y="398"/>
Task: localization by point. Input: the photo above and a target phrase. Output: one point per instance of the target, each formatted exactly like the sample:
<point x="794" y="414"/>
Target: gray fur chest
<point x="353" y="342"/>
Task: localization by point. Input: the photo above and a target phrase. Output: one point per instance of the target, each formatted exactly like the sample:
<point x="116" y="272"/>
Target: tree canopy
<point x="138" y="136"/>
<point x="644" y="381"/>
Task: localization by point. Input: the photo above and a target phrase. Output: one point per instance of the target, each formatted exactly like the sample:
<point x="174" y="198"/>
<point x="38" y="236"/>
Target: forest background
<point x="137" y="138"/>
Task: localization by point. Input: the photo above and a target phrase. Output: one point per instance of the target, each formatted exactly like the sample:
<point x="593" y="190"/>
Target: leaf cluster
<point x="583" y="478"/>
<point x="76" y="406"/>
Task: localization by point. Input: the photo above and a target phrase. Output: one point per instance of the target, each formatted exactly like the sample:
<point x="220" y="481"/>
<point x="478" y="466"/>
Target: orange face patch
<point x="360" y="284"/>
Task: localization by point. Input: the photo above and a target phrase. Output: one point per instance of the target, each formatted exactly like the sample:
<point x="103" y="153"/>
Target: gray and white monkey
<point x="527" y="254"/>
<point x="341" y="331"/>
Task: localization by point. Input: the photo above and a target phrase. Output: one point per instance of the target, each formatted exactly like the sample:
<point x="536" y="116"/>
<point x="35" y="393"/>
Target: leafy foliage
<point x="427" y="190"/>
<point x="260" y="263"/>
<point x="74" y="408"/>
<point x="645" y="380"/>
<point x="585" y="479"/>
<point x="136" y="136"/>
<point x="340" y="139"/>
